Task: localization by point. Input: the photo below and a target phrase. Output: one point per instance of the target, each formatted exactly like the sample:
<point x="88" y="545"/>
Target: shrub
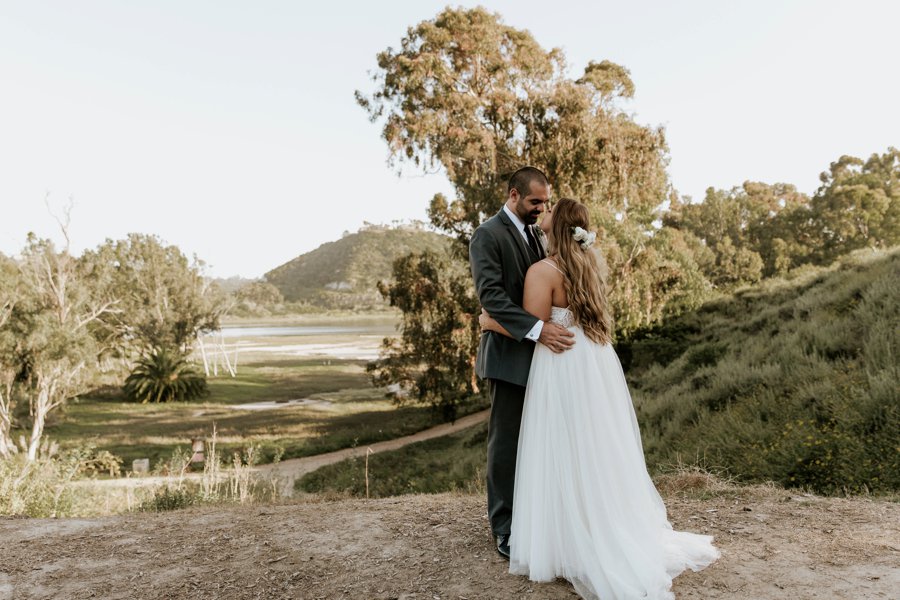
<point x="166" y="498"/>
<point x="41" y="487"/>
<point x="164" y="376"/>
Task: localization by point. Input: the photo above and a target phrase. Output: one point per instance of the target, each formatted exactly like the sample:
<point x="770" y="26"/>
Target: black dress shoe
<point x="502" y="541"/>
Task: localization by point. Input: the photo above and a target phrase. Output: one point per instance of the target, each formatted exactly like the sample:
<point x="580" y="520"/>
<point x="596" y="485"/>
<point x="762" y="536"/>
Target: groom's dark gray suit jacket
<point x="499" y="258"/>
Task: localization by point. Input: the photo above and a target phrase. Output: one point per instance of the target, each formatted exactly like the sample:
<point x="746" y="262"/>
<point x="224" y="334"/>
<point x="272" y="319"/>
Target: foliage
<point x="54" y="324"/>
<point x="41" y="487"/>
<point x="164" y="376"/>
<point x="759" y="230"/>
<point x="259" y="293"/>
<point x="67" y="321"/>
<point x="102" y="462"/>
<point x="433" y="359"/>
<point x="230" y="285"/>
<point x="479" y="99"/>
<point x="344" y="273"/>
<point x="740" y="227"/>
<point x="247" y="298"/>
<point x="792" y="381"/>
<point x="9" y="282"/>
<point x="858" y="204"/>
<point x="166" y="498"/>
<point x="162" y="299"/>
<point x="218" y="483"/>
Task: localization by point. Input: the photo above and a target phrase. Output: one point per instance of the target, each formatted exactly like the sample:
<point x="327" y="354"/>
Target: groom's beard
<point x="532" y="218"/>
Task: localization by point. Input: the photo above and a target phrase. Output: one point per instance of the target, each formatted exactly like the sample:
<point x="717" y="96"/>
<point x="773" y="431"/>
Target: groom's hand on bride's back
<point x="556" y="337"/>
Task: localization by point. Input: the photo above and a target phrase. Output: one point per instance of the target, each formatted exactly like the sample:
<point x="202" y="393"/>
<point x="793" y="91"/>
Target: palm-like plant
<point x="164" y="376"/>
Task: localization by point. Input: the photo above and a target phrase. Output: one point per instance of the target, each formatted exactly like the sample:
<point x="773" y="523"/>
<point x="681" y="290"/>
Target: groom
<point x="500" y="253"/>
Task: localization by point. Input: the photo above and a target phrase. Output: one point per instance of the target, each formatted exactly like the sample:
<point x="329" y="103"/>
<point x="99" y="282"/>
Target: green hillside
<point x="794" y="380"/>
<point x="344" y="273"/>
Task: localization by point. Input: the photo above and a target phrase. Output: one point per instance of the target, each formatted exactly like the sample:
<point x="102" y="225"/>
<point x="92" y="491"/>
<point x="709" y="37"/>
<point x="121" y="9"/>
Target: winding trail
<point x="292" y="469"/>
<point x="288" y="471"/>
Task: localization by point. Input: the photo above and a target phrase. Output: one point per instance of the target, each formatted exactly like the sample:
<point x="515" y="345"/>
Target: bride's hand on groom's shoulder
<point x="556" y="337"/>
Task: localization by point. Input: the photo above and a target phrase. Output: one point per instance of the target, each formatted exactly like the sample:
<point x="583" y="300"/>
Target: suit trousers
<point x="507" y="401"/>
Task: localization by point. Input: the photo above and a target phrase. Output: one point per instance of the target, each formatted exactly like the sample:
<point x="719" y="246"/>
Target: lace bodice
<point x="562" y="316"/>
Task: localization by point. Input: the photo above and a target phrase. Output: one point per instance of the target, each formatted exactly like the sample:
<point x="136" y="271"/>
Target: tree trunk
<point x="6" y="443"/>
<point x="39" y="415"/>
<point x="37" y="430"/>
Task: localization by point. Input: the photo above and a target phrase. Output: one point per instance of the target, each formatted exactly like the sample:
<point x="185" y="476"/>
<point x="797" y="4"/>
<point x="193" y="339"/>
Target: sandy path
<point x="291" y="470"/>
<point x="288" y="471"/>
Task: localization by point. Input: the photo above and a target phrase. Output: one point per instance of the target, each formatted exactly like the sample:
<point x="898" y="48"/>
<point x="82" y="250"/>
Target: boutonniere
<point x="540" y="237"/>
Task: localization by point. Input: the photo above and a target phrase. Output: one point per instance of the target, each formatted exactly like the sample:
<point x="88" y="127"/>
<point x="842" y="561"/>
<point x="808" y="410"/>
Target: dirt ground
<point x="776" y="544"/>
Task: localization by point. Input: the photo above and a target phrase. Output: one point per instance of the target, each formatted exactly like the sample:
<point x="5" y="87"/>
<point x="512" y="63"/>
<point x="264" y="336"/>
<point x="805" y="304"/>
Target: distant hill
<point x="232" y="284"/>
<point x="344" y="273"/>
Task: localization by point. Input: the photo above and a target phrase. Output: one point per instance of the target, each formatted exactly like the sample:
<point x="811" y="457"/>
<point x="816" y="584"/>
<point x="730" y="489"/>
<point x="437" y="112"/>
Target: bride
<point x="585" y="507"/>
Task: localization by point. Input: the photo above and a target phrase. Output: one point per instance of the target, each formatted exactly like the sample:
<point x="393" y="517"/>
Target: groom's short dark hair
<point x="521" y="180"/>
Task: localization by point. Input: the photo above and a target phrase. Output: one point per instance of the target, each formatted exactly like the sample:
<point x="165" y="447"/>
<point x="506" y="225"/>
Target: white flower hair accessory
<point x="584" y="238"/>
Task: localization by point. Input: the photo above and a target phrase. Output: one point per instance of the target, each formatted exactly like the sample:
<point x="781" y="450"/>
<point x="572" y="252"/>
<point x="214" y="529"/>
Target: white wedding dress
<point x="584" y="507"/>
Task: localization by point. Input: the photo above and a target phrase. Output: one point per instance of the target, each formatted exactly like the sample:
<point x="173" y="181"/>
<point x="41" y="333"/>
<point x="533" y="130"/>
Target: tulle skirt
<point x="585" y="507"/>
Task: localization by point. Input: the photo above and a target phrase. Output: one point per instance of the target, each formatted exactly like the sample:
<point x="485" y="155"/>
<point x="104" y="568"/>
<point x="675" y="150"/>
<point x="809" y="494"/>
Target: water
<point x="293" y="330"/>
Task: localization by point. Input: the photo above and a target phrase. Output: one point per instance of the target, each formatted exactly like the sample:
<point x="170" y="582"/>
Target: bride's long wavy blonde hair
<point x="583" y="276"/>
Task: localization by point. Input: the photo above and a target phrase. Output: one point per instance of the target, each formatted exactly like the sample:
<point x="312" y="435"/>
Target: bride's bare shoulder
<point x="545" y="268"/>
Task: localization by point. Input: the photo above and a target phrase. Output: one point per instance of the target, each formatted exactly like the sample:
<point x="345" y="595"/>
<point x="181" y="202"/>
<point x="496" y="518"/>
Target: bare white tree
<point x="62" y="352"/>
<point x="7" y="374"/>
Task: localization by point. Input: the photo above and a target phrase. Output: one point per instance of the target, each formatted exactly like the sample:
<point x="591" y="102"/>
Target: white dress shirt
<point x="535" y="332"/>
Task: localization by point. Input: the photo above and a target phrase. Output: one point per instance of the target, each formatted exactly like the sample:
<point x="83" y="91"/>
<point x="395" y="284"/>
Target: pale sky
<point x="230" y="129"/>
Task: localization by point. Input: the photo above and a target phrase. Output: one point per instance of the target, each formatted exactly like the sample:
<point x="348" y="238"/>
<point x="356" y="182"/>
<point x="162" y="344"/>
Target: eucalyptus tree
<point x="751" y="231"/>
<point x="858" y="204"/>
<point x="439" y="308"/>
<point x="759" y="230"/>
<point x="9" y="285"/>
<point x="469" y="95"/>
<point x="54" y="321"/>
<point x="164" y="300"/>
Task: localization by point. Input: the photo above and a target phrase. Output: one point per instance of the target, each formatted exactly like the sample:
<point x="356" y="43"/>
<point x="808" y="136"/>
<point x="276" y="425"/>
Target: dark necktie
<point x="531" y="241"/>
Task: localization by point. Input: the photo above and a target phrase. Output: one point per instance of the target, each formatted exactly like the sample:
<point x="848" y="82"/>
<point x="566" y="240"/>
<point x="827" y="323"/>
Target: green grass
<point x="794" y="380"/>
<point x="444" y="464"/>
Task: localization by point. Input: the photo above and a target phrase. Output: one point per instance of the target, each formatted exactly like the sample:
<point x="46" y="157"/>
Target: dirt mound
<point x="776" y="544"/>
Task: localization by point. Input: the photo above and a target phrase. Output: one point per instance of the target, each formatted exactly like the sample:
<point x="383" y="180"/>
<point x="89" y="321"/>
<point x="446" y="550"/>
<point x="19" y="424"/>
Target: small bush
<point x="164" y="376"/>
<point x="41" y="487"/>
<point x="167" y="498"/>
